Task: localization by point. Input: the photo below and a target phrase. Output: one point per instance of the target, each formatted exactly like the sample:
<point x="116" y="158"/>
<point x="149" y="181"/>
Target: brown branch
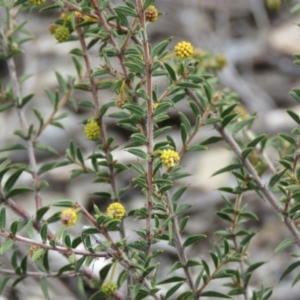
<point x="45" y="246"/>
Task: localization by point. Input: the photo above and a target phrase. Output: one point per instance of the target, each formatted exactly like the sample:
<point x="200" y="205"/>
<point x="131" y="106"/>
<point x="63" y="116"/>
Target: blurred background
<point x="258" y="43"/>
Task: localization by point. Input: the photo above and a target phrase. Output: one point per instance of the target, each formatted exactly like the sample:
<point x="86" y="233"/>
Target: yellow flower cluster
<point x="151" y="14"/>
<point x="61" y="33"/>
<point x="109" y="287"/>
<point x="68" y="217"/>
<point x="184" y="49"/>
<point x="123" y="96"/>
<point x="79" y="17"/>
<point x="37" y="2"/>
<point x="221" y="61"/>
<point x="154" y="105"/>
<point x="92" y="129"/>
<point x="116" y="211"/>
<point x="170" y="158"/>
<point x="33" y="249"/>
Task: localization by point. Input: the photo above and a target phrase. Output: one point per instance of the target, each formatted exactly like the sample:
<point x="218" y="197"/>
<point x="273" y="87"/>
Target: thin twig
<point x="149" y="121"/>
<point x="20" y="113"/>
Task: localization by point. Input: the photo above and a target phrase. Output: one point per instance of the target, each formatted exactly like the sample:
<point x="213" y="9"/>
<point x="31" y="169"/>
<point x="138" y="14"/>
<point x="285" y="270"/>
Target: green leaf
<point x="77" y="65"/>
<point x="189" y="85"/>
<point x="43" y="147"/>
<point x="44" y="287"/>
<point x="162" y="107"/>
<point x="284" y="244"/>
<point x="275" y="178"/>
<point x="170" y="71"/>
<point x="161" y="131"/>
<point x="104" y="271"/>
<point x="10" y="182"/>
<point x="294" y="116"/>
<point x="214" y="258"/>
<point x="183" y="133"/>
<point x="2" y="219"/>
<point x="246" y="152"/>
<point x="211" y="140"/>
<point x="175" y="266"/>
<point x="61" y="82"/>
<point x="29" y="229"/>
<point x="196" y="148"/>
<point x="255" y="266"/>
<point x="125" y="10"/>
<point x="184" y="223"/>
<point x="193" y="239"/>
<point x="182" y="208"/>
<point x="178" y="194"/>
<point x="6" y="246"/>
<point x="242" y="124"/>
<point x="255" y="141"/>
<point x="50" y="7"/>
<point x="185" y="121"/>
<point x="215" y="294"/>
<point x="135" y="109"/>
<point x="18" y="190"/>
<point x="295" y="93"/>
<point x="290" y="268"/>
<point x="63" y="203"/>
<point x="288" y="138"/>
<point x="3" y="282"/>
<point x="137" y="152"/>
<point x="226" y="169"/>
<point x="172" y="290"/>
<point x="159" y="48"/>
<point x="188" y="295"/>
<point x="172" y="279"/>
<point x="6" y="106"/>
<point x="41" y="212"/>
<point x="38" y="254"/>
<point x="44" y="232"/>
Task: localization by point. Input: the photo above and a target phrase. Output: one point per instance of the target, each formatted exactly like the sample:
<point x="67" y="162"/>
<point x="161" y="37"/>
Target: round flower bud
<point x="221" y="61"/>
<point x="92" y="129"/>
<point x="37" y="2"/>
<point x="109" y="287"/>
<point x="151" y="13"/>
<point x="68" y="217"/>
<point x="116" y="211"/>
<point x="184" y="49"/>
<point x="62" y="33"/>
<point x="170" y="158"/>
<point x="273" y="4"/>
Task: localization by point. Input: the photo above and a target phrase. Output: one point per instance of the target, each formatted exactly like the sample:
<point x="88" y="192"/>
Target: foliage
<point x="119" y="35"/>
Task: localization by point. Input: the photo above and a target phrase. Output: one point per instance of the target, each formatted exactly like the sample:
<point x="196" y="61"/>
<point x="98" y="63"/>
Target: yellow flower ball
<point x="68" y="217"/>
<point x="273" y="4"/>
<point x="109" y="287"/>
<point x="170" y="158"/>
<point x="61" y="33"/>
<point x="116" y="211"/>
<point x="92" y="129"/>
<point x="151" y="14"/>
<point x="184" y="49"/>
<point x="154" y="105"/>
